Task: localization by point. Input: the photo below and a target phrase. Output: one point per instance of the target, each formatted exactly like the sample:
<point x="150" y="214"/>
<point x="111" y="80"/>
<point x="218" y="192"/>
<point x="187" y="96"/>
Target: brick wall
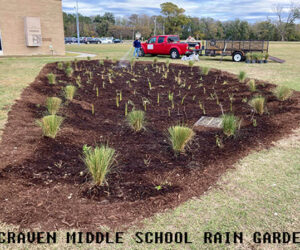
<point x="12" y="13"/>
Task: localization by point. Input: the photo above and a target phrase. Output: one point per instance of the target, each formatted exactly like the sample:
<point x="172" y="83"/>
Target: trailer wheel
<point x="141" y="53"/>
<point x="174" y="54"/>
<point x="237" y="57"/>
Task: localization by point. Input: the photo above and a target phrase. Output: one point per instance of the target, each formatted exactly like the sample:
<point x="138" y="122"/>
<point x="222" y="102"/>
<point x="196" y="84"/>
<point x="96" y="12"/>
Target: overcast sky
<point x="251" y="10"/>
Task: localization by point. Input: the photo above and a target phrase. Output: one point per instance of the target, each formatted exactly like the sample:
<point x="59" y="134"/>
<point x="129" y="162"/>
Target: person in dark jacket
<point x="137" y="47"/>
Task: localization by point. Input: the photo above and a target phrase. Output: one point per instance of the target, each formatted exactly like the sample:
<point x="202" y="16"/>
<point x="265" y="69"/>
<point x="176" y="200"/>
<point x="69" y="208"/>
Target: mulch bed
<point x="44" y="182"/>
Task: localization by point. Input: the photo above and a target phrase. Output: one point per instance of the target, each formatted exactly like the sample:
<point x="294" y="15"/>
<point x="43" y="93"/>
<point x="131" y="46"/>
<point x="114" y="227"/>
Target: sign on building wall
<point x="33" y="32"/>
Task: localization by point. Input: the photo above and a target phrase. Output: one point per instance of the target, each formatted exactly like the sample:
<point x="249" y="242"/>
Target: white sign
<point x="150" y="46"/>
<point x="33" y="32"/>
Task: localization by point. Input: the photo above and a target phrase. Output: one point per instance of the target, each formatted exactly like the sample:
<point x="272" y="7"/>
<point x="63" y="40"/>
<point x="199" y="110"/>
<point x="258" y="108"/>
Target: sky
<point x="250" y="10"/>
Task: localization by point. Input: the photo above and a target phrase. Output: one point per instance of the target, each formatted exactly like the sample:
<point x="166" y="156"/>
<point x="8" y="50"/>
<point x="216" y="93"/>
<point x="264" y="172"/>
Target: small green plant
<point x="99" y="161"/>
<point x="248" y="56"/>
<point x="51" y="78"/>
<point x="258" y="104"/>
<point x="252" y="85"/>
<point x="101" y="62"/>
<point x="191" y="64"/>
<point x="179" y="137"/>
<point x="266" y="56"/>
<point x="254" y="122"/>
<point x="205" y="70"/>
<point x="70" y="91"/>
<point x="53" y="105"/>
<point x="168" y="63"/>
<point x="155" y="60"/>
<point x="50" y="125"/>
<point x="69" y="71"/>
<point x="68" y="64"/>
<point x="136" y="120"/>
<point x="283" y="93"/>
<point x="88" y="58"/>
<point x="229" y="124"/>
<point x="60" y="66"/>
<point x="242" y="76"/>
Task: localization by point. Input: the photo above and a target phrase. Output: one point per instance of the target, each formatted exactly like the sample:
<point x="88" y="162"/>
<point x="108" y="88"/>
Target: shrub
<point x="69" y="71"/>
<point x="180" y="136"/>
<point x="252" y="85"/>
<point x="68" y="64"/>
<point x="155" y="60"/>
<point x="248" y="56"/>
<point x="242" y="76"/>
<point x="51" y="78"/>
<point x="136" y="120"/>
<point x="60" y="65"/>
<point x="50" y="125"/>
<point x="283" y="93"/>
<point x="99" y="161"/>
<point x="229" y="124"/>
<point x="53" y="104"/>
<point x="258" y="104"/>
<point x="70" y="92"/>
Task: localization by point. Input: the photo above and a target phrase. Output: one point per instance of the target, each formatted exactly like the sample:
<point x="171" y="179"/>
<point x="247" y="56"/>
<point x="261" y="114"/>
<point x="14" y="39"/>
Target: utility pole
<point x="77" y="23"/>
<point x="155" y="26"/>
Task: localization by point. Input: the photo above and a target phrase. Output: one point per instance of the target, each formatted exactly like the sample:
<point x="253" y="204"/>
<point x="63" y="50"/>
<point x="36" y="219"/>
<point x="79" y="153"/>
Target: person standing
<point x="137" y="47"/>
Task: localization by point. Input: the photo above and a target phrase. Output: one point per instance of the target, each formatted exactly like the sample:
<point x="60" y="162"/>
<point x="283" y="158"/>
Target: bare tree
<point x="285" y="18"/>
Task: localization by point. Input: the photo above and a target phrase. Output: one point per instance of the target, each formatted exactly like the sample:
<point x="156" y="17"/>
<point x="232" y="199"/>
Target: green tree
<point x="175" y="18"/>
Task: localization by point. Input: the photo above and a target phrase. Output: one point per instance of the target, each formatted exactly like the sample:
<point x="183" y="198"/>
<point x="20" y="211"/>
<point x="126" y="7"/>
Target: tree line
<point x="174" y="21"/>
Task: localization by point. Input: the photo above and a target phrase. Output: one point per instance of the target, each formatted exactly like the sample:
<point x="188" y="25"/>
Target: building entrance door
<point x="1" y="51"/>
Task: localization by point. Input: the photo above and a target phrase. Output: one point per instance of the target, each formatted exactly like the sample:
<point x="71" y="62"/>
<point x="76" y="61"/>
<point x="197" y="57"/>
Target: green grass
<point x="260" y="194"/>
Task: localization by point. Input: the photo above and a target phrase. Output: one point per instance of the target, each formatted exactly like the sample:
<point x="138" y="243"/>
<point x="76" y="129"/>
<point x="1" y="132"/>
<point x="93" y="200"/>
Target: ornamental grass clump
<point x="252" y="85"/>
<point x="242" y="76"/>
<point x="70" y="92"/>
<point x="136" y="120"/>
<point x="53" y="105"/>
<point x="229" y="124"/>
<point x="99" y="161"/>
<point x="51" y="78"/>
<point x="50" y="125"/>
<point x="205" y="70"/>
<point x="179" y="137"/>
<point x="60" y="65"/>
<point x="283" y="93"/>
<point x="69" y="71"/>
<point x="258" y="104"/>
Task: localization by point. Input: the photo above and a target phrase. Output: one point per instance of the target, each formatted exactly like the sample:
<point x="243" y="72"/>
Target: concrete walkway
<point x="81" y="54"/>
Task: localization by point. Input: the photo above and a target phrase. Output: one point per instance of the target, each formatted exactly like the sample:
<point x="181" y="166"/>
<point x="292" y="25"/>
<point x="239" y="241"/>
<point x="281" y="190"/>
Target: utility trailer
<point x="236" y="49"/>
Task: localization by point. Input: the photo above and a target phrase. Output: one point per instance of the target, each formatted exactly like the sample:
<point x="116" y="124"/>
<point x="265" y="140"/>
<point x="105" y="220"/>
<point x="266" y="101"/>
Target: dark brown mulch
<point x="44" y="182"/>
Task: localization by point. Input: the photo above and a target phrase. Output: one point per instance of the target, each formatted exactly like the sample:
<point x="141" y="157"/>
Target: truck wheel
<point x="141" y="53"/>
<point x="237" y="57"/>
<point x="174" y="54"/>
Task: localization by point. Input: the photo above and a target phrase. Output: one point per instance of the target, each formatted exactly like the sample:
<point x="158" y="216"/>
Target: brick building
<point x="31" y="27"/>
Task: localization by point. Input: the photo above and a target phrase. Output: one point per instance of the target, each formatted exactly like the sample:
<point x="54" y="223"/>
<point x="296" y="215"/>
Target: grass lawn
<point x="261" y="194"/>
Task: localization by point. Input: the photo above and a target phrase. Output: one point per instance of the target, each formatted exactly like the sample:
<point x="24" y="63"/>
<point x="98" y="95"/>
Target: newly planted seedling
<point x="70" y="91"/>
<point x="69" y="71"/>
<point x="53" y="105"/>
<point x="51" y="78"/>
<point x="258" y="104"/>
<point x="252" y="85"/>
<point x="229" y="124"/>
<point x="242" y="76"/>
<point x="136" y="120"/>
<point x="50" y="125"/>
<point x="179" y="137"/>
<point x="283" y="93"/>
<point x="99" y="161"/>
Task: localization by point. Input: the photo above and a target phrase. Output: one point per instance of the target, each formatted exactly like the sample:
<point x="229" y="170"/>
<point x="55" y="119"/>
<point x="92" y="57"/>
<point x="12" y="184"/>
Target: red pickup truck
<point x="168" y="45"/>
